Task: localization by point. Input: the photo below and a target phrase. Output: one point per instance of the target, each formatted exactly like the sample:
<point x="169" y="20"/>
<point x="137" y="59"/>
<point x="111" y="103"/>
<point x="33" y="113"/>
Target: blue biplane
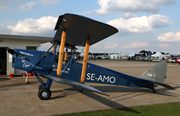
<point x="71" y="31"/>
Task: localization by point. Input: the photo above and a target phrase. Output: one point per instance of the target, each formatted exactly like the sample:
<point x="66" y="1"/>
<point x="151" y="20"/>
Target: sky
<point x="151" y="25"/>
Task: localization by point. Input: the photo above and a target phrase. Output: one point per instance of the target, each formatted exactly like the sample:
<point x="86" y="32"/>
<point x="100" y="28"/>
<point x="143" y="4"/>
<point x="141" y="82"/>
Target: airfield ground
<point x="19" y="99"/>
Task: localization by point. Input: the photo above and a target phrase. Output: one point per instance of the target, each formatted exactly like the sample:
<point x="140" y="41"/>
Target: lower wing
<point x="73" y="83"/>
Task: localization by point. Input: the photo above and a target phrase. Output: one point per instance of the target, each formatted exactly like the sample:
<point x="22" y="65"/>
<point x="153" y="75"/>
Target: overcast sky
<point x="152" y="25"/>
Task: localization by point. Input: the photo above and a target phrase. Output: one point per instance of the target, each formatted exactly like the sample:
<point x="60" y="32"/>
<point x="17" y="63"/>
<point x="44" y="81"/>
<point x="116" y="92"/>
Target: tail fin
<point x="156" y="73"/>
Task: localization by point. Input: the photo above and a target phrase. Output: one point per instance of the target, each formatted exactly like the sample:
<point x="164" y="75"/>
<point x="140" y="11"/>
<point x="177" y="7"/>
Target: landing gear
<point x="44" y="94"/>
<point x="40" y="86"/>
<point x="44" y="88"/>
<point x="153" y="90"/>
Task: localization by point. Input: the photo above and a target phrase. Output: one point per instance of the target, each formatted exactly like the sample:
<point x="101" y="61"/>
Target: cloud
<point x="49" y="2"/>
<point x="163" y="45"/>
<point x="137" y="45"/>
<point x="5" y="29"/>
<point x="42" y="26"/>
<point x="112" y="6"/>
<point x="45" y="46"/>
<point x="36" y="27"/>
<point x="169" y="37"/>
<point x="110" y="45"/>
<point x="5" y="5"/>
<point x="131" y="23"/>
<point x="96" y="46"/>
<point x="127" y="15"/>
<point x="28" y="5"/>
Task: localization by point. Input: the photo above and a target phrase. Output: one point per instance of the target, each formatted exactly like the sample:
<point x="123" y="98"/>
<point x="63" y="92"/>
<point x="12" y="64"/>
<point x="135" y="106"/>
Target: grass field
<point x="168" y="109"/>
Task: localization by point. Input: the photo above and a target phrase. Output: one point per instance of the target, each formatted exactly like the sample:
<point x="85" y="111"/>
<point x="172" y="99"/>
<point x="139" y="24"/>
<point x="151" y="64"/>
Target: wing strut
<point x="85" y="61"/>
<point x="53" y="48"/>
<point x="66" y="54"/>
<point x="61" y="52"/>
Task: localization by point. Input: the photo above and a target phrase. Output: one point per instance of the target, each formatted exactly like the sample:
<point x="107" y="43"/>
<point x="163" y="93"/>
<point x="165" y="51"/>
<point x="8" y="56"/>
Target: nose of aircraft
<point x="11" y="51"/>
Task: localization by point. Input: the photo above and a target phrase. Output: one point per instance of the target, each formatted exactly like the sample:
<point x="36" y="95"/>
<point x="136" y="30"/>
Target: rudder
<point x="156" y="73"/>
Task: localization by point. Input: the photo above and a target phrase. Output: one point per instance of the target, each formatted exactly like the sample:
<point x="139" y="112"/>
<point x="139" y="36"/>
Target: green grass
<point x="168" y="109"/>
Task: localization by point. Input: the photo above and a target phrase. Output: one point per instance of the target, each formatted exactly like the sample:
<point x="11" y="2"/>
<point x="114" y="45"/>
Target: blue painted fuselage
<point x="45" y="64"/>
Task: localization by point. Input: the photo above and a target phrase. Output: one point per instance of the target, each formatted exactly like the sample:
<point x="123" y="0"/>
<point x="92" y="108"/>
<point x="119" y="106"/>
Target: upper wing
<point x="79" y="28"/>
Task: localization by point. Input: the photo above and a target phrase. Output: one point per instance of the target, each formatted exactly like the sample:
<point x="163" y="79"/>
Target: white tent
<point x="158" y="57"/>
<point x="119" y="56"/>
<point x="115" y="56"/>
<point x="131" y="55"/>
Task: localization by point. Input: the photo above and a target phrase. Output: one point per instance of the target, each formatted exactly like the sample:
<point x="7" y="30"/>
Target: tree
<point x="163" y="53"/>
<point x="144" y="52"/>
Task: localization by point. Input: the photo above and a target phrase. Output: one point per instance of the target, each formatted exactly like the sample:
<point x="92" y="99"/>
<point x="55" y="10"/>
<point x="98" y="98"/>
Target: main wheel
<point x="44" y="94"/>
<point x="40" y="86"/>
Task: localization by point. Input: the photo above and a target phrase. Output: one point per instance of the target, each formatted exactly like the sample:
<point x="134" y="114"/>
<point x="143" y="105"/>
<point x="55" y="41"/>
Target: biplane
<point x="73" y="30"/>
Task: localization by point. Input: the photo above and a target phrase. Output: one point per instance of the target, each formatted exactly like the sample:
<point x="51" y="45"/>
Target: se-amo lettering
<point x="101" y="78"/>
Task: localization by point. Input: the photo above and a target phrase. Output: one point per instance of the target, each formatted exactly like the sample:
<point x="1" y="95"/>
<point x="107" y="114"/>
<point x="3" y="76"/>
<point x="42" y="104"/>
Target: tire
<point x="40" y="86"/>
<point x="44" y="94"/>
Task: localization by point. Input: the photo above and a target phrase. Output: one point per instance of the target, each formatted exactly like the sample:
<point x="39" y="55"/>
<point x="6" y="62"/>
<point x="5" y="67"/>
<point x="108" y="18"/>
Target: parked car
<point x="172" y="59"/>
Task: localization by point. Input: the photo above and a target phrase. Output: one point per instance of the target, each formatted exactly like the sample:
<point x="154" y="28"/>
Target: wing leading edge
<point x="73" y="83"/>
<point x="79" y="28"/>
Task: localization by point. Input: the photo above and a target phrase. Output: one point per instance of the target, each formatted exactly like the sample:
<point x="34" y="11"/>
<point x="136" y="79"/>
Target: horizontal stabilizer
<point x="159" y="83"/>
<point x="73" y="83"/>
<point x="164" y="85"/>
